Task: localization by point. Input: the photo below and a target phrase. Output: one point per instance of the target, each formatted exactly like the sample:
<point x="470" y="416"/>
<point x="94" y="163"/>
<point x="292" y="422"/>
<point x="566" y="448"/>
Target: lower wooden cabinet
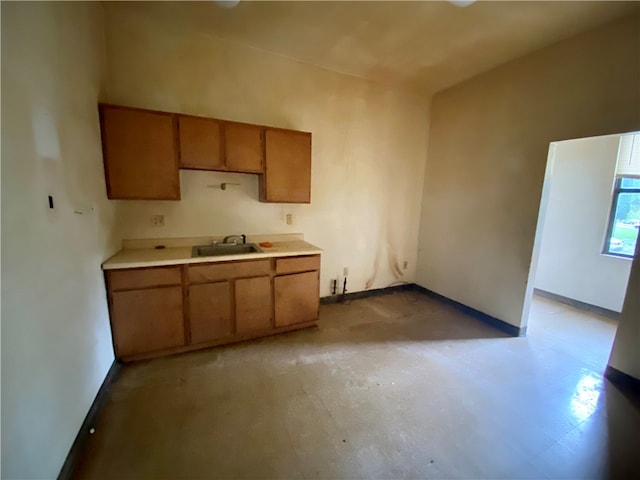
<point x="210" y="311"/>
<point x="253" y="304"/>
<point x="147" y="320"/>
<point x="297" y="298"/>
<point x="160" y="310"/>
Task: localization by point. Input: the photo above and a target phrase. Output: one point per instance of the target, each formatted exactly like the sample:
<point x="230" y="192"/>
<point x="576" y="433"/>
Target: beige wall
<point x="479" y="209"/>
<point x="571" y="262"/>
<point x="487" y="153"/>
<point x="369" y="147"/>
<point x="56" y="343"/>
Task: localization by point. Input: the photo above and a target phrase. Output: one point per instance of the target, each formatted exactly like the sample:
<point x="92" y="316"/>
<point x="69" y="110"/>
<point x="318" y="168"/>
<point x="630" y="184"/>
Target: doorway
<point x="587" y="229"/>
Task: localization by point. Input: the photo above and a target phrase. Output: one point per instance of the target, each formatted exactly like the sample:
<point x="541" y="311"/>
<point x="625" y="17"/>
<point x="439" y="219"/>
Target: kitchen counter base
<point x="222" y="341"/>
<point x="169" y="308"/>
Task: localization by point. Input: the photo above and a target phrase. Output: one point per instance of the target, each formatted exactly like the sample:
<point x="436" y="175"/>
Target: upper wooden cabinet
<point x="200" y="143"/>
<point x="210" y="144"/>
<point x="140" y="154"/>
<point x="287" y="175"/>
<point x="243" y="147"/>
<point x="143" y="150"/>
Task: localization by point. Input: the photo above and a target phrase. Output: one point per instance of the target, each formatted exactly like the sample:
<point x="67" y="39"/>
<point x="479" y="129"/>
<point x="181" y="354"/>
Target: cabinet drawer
<point x="297" y="264"/>
<point x="143" y="278"/>
<point x="223" y="271"/>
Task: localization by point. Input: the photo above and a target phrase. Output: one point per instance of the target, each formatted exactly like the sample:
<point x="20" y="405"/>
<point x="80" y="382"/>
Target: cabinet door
<point x="243" y="147"/>
<point x="200" y="143"/>
<point x="140" y="154"/>
<point x="287" y="175"/>
<point x="147" y="320"/>
<point x="210" y="311"/>
<point x="253" y="304"/>
<point x="297" y="298"/>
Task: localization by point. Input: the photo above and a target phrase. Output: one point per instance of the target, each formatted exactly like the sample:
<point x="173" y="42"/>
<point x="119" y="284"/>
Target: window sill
<point x="620" y="257"/>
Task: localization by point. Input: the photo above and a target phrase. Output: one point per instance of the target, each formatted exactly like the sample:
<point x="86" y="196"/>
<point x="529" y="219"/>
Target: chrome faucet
<point x="235" y="237"/>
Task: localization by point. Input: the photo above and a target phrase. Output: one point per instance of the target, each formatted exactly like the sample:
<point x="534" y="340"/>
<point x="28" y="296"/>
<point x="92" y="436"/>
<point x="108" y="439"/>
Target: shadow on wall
<point x="622" y="431"/>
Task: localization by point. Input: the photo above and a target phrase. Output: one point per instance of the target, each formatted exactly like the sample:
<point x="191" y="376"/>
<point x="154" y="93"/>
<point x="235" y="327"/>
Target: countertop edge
<point x="109" y="265"/>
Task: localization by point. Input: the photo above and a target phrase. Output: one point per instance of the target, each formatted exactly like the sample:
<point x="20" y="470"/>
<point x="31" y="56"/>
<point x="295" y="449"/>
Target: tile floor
<point x="397" y="386"/>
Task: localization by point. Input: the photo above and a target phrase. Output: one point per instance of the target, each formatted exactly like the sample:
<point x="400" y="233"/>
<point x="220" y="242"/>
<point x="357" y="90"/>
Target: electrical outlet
<point x="405" y="265"/>
<point x="345" y="271"/>
<point x="157" y="220"/>
<point x="289" y="218"/>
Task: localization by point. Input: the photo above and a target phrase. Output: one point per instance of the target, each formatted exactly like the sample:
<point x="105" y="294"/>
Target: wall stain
<point x="394" y="266"/>
<point x="376" y="264"/>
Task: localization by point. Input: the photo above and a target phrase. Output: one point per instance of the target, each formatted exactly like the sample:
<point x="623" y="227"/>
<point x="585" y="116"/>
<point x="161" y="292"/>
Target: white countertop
<point x="179" y="255"/>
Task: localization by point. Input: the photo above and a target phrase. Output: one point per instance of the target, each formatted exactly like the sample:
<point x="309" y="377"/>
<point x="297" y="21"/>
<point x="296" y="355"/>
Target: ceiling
<point x="424" y="46"/>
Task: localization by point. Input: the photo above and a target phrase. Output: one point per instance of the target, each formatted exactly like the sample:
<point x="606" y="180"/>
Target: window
<point x="624" y="220"/>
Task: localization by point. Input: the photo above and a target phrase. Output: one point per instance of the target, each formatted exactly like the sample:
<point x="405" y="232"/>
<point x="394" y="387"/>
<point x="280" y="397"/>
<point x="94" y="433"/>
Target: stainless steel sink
<point x="224" y="249"/>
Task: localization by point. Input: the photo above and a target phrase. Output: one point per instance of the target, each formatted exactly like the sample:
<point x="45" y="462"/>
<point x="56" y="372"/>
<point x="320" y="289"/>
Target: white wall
<point x="369" y="147"/>
<point x="487" y="153"/>
<point x="571" y="263"/>
<point x="56" y="342"/>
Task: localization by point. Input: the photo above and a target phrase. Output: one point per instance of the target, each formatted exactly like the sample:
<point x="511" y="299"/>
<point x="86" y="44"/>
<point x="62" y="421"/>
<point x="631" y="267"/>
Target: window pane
<point x="626" y="224"/>
<point x="627" y="182"/>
